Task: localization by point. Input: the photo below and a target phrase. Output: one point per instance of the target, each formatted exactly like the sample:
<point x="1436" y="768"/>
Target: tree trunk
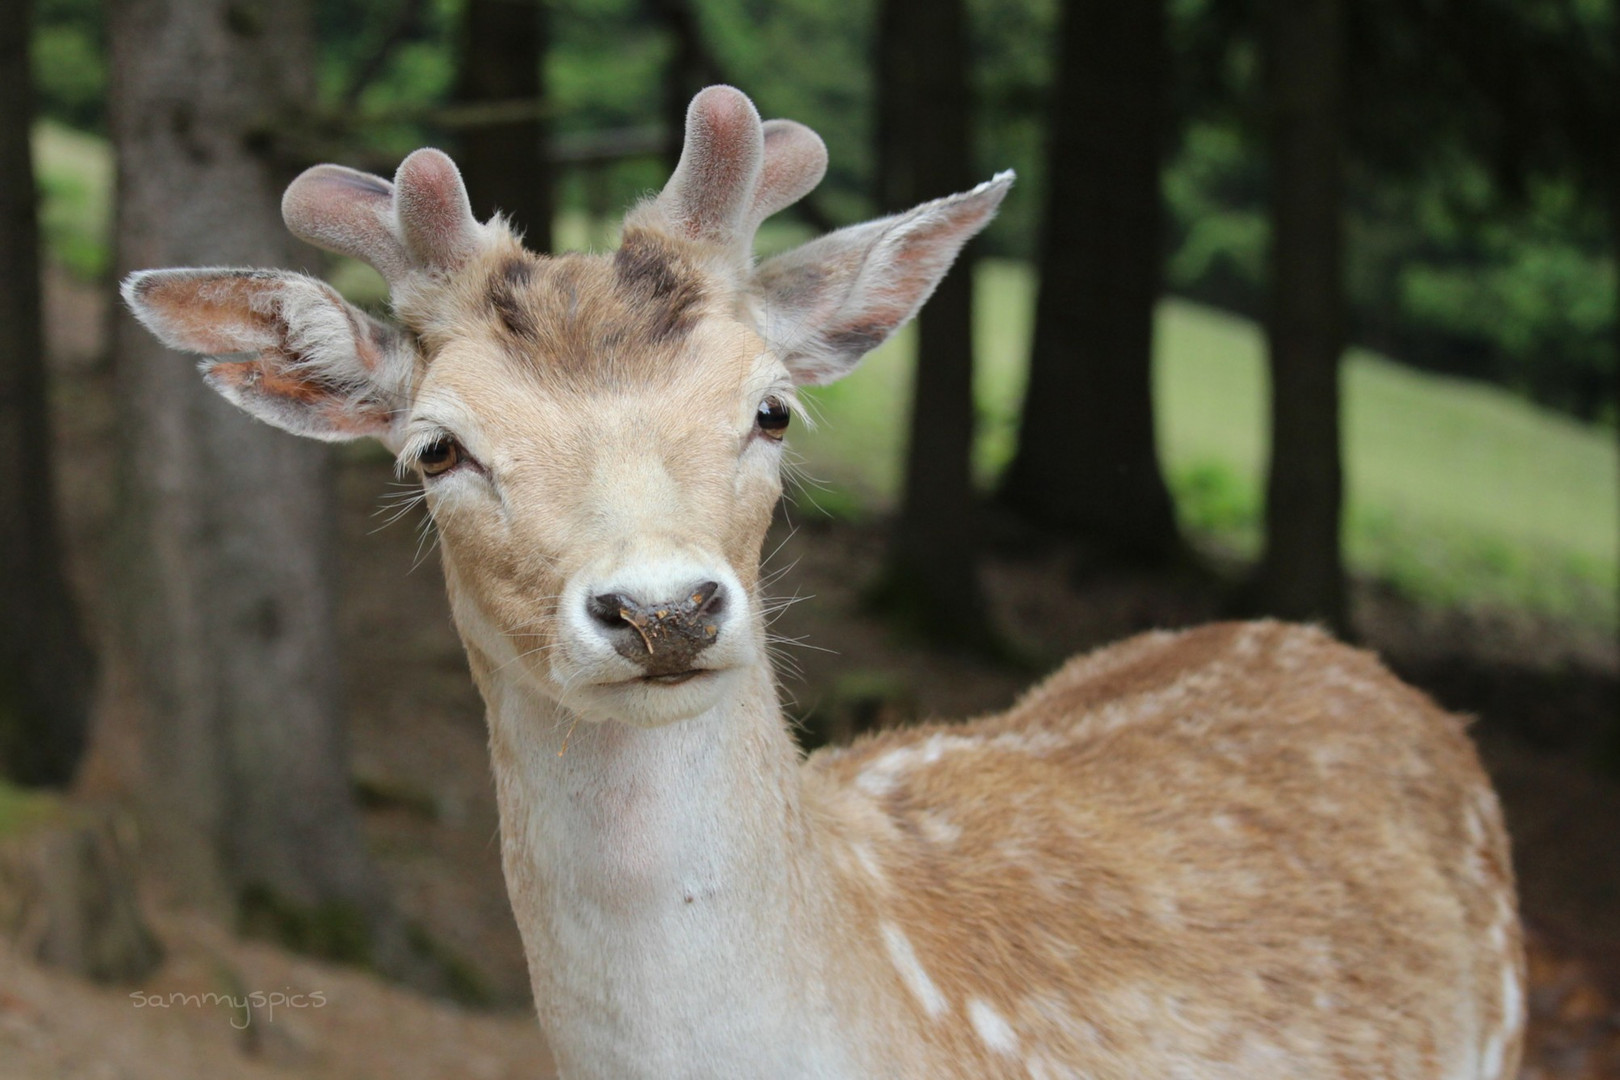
<point x="45" y="666"/>
<point x="1614" y="225"/>
<point x="1087" y="464"/>
<point x="924" y="151"/>
<point x="505" y="166"/>
<point x="68" y="888"/>
<point x="690" y="68"/>
<point x="1301" y="575"/>
<point x="224" y="719"/>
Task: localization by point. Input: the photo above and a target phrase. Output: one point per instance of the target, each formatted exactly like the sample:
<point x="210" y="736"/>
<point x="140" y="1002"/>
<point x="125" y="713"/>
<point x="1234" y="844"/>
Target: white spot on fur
<point x="1166" y="911"/>
<point x="1327" y="758"/>
<point x="1041" y="1067"/>
<point x="869" y="863"/>
<point x="1034" y="743"/>
<point x="993" y="1031"/>
<point x="911" y="971"/>
<point x="1264" y="1058"/>
<point x="878" y="778"/>
<point x="1512" y="997"/>
<point x="1054" y="1011"/>
<point x="1491" y="1060"/>
<point x="1475" y="826"/>
<point x="1490" y="1064"/>
<point x="937" y="830"/>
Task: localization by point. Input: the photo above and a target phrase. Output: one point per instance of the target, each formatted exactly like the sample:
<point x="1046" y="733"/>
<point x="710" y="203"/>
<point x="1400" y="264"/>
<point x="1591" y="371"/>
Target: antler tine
<point x="422" y="221"/>
<point x="434" y="214"/>
<point x="795" y="162"/>
<point x="712" y="190"/>
<point x="348" y="212"/>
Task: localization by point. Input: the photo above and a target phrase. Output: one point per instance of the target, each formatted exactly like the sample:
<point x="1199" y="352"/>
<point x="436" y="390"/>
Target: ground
<point x="1547" y="697"/>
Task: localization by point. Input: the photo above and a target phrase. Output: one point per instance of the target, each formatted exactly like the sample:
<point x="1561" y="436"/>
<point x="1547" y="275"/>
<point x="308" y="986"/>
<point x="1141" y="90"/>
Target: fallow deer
<point x="1242" y="851"/>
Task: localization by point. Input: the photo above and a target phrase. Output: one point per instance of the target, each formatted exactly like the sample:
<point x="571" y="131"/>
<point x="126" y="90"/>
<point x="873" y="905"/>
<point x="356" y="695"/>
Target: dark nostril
<point x="708" y="600"/>
<point x="608" y="609"/>
<point x="663" y="637"/>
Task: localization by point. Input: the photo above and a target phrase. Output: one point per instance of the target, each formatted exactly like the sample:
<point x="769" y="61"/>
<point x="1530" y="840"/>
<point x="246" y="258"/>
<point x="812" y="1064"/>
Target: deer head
<point x="599" y="437"/>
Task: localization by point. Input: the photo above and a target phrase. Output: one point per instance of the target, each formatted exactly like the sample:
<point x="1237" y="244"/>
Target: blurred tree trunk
<point x="45" y="666"/>
<point x="223" y="717"/>
<point x="1087" y="464"/>
<point x="691" y="67"/>
<point x="924" y="151"/>
<point x="1301" y="574"/>
<point x="503" y="47"/>
<point x="1614" y="220"/>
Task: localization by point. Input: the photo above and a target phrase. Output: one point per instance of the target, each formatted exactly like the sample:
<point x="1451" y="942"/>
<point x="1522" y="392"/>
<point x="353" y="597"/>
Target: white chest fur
<point x="666" y="935"/>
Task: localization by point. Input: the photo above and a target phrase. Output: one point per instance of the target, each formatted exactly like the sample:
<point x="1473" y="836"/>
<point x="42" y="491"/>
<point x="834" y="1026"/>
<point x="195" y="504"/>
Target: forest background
<point x="1477" y="234"/>
<point x="1301" y="309"/>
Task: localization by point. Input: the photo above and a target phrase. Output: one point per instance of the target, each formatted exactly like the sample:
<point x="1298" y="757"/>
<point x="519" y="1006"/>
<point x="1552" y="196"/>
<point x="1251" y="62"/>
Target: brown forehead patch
<point x="651" y="276"/>
<point x="592" y="317"/>
<point x="506" y="287"/>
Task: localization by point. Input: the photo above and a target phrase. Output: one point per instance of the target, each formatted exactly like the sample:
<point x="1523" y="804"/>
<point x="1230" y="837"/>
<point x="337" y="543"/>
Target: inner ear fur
<point x="285" y="347"/>
<point x="826" y="304"/>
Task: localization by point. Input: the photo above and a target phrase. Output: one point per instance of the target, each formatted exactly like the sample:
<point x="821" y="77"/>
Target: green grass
<point x="74" y="172"/>
<point x="1458" y="493"/>
<point x="20" y="809"/>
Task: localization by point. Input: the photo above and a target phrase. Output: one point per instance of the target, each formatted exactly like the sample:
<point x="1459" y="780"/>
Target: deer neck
<point x="664" y="885"/>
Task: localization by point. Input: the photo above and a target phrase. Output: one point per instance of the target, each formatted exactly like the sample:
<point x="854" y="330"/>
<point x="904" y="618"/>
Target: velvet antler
<point x="422" y="222"/>
<point x="734" y="172"/>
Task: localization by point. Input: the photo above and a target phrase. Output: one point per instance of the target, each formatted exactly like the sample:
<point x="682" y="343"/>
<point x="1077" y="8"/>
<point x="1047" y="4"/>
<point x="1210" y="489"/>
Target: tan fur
<point x="1244" y="851"/>
<point x="1247" y="843"/>
<point x="1248" y="834"/>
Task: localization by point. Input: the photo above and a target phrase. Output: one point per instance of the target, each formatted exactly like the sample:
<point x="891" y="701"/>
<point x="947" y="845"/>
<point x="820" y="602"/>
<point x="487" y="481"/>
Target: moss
<point x="340" y="931"/>
<point x="20" y="809"/>
<point x="458" y="979"/>
<point x="383" y="793"/>
<point x="333" y="930"/>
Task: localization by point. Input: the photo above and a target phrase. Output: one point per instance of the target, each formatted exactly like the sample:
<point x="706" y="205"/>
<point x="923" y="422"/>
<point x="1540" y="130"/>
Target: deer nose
<point x="664" y="637"/>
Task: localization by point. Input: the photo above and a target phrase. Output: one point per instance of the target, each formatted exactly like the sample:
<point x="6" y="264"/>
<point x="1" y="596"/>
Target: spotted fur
<point x="1245" y="851"/>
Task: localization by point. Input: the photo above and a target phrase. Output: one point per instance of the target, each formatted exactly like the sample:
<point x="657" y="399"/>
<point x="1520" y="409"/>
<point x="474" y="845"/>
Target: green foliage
<point x="1460" y="258"/>
<point x="604" y="72"/>
<point x="808" y="59"/>
<point x="1521" y="295"/>
<point x="68" y="53"/>
<point x="1469" y="252"/>
<point x="1457" y="492"/>
<point x="1217" y="504"/>
<point x="1534" y="294"/>
<point x="1014" y="52"/>
<point x="1480" y="140"/>
<point x="1219" y="233"/>
<point x="71" y="77"/>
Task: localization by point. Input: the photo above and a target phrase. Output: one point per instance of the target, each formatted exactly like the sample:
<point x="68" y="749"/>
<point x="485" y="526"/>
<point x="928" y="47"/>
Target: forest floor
<point x="1546" y="695"/>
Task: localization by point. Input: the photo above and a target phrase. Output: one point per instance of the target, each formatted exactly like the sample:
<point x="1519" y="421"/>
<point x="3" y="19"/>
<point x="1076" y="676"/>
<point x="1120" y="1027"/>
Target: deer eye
<point x="440" y="457"/>
<point x="773" y="416"/>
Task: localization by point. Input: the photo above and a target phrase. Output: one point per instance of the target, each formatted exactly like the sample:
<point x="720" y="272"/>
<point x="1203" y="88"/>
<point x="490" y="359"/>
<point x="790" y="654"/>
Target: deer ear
<point x="825" y="305"/>
<point x="285" y="347"/>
